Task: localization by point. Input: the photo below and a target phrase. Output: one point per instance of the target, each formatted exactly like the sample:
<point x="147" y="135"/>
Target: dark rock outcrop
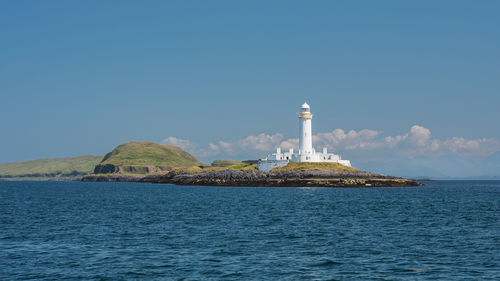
<point x="111" y="168"/>
<point x="105" y="169"/>
<point x="302" y="178"/>
<point x="305" y="178"/>
<point x="111" y="178"/>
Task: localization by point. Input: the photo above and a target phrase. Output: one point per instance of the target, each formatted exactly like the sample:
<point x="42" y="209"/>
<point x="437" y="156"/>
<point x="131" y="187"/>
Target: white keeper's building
<point x="306" y="151"/>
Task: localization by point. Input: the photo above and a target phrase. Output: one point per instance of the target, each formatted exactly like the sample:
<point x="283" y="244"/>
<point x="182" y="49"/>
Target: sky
<point x="409" y="88"/>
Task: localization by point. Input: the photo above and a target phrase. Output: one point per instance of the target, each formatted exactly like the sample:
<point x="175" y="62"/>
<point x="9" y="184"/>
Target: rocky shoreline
<point x="228" y="177"/>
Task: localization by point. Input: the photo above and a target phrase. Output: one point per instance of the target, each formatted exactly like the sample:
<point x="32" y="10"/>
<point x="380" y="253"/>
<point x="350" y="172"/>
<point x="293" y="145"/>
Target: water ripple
<point x="121" y="231"/>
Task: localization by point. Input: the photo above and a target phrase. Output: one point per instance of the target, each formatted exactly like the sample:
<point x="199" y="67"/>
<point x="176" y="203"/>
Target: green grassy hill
<point x="50" y="168"/>
<point x="144" y="157"/>
<point x="225" y="163"/>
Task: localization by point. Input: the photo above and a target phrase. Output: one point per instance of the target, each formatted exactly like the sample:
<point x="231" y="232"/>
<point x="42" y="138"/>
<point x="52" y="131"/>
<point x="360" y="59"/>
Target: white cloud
<point x="419" y="136"/>
<point x="417" y="142"/>
<point x="261" y="142"/>
<point x="289" y="143"/>
<point x="470" y="148"/>
<point x="221" y="147"/>
<point x="338" y="136"/>
<point x="213" y="147"/>
<point x="192" y="147"/>
<point x="182" y="143"/>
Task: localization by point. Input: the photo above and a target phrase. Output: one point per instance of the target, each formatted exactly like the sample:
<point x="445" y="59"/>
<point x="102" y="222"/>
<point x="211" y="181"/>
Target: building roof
<point x="305" y="105"/>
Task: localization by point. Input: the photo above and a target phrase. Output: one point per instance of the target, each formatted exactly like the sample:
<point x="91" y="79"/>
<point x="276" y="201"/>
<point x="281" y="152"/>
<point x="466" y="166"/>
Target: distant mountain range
<point x="56" y="168"/>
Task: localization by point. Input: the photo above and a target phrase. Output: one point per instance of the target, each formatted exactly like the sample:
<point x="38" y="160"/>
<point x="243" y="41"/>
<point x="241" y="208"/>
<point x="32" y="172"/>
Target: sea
<point x="445" y="230"/>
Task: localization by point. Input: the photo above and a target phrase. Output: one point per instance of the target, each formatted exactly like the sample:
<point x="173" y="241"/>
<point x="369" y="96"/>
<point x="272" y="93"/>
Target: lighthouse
<point x="306" y="151"/>
<point x="305" y="135"/>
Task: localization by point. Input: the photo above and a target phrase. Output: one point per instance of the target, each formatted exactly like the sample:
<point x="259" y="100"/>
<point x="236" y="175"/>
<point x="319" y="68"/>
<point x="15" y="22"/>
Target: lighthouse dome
<point x="305" y="108"/>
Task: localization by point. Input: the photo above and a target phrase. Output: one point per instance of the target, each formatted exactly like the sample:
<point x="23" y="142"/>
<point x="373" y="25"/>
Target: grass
<point x="149" y="154"/>
<point x="296" y="166"/>
<point x="47" y="168"/>
<point x="196" y="169"/>
<point x="244" y="166"/>
<point x="188" y="170"/>
<point x="225" y="163"/>
<point x="292" y="166"/>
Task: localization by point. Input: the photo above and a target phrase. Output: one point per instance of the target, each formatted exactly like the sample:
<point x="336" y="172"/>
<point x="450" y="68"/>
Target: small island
<point x="292" y="175"/>
<point x="155" y="163"/>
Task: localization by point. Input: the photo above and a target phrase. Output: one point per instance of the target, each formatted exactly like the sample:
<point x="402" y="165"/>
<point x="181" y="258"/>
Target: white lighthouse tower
<point x="306" y="151"/>
<point x="305" y="136"/>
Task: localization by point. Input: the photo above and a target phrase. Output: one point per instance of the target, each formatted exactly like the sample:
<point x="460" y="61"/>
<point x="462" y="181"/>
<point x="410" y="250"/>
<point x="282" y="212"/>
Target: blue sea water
<point x="446" y="230"/>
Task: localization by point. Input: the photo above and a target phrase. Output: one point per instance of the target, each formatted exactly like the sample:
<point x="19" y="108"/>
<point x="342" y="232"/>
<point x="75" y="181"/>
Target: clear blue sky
<point x="80" y="77"/>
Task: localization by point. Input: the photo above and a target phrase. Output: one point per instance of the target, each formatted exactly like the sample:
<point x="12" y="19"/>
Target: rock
<point x="111" y="178"/>
<point x="105" y="169"/>
<point x="307" y="178"/>
<point x="252" y="177"/>
<point x="111" y="168"/>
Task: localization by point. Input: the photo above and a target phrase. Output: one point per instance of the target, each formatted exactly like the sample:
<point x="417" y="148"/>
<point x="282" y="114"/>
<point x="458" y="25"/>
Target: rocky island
<point x="154" y="163"/>
<point x="292" y="175"/>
